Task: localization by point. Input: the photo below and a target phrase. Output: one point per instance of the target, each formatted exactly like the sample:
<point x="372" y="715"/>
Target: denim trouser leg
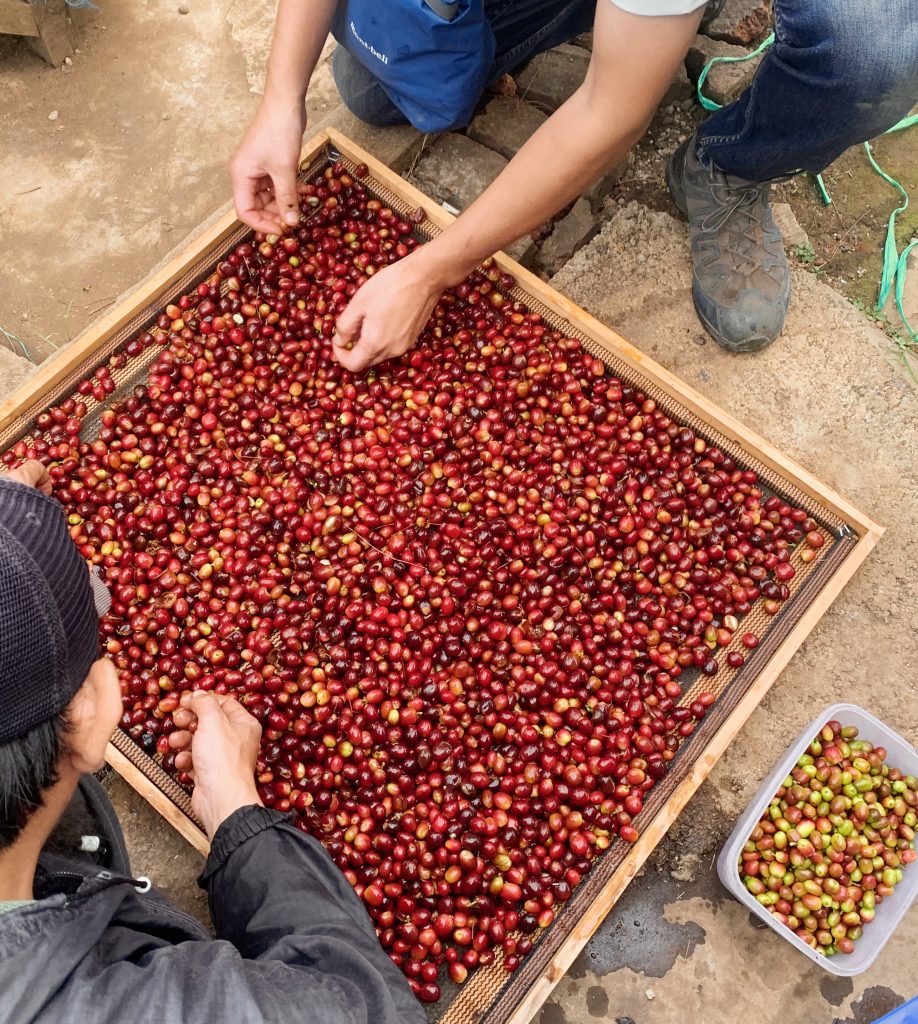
<point x="522" y="28"/>
<point x="840" y="72"/>
<point x="361" y="92"/>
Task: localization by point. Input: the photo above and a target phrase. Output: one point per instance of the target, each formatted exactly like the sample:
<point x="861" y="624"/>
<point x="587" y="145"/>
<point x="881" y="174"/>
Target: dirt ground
<point x="134" y="158"/>
<point x="844" y="245"/>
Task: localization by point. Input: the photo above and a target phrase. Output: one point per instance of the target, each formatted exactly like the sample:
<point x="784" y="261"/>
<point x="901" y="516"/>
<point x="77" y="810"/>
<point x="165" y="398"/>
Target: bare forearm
<point x="546" y="174"/>
<point x="300" y="32"/>
<point x="588" y="135"/>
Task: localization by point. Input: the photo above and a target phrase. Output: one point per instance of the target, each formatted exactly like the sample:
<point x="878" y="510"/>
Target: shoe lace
<point x="735" y="211"/>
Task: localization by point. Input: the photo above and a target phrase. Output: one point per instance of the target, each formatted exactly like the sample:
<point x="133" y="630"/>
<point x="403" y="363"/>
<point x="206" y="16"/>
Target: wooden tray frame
<point x="864" y="535"/>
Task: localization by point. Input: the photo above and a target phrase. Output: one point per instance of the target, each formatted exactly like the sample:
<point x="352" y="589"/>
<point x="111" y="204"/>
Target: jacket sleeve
<point x="276" y="895"/>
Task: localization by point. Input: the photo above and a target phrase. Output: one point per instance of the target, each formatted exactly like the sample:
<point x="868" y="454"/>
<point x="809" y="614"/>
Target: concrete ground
<point x="94" y="197"/>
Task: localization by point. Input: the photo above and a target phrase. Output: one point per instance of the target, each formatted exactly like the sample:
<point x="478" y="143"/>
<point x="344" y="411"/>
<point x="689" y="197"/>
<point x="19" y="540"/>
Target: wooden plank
<point x="17" y="19"/>
<point x="157" y="800"/>
<point x="616" y="345"/>
<point x="54" y="43"/>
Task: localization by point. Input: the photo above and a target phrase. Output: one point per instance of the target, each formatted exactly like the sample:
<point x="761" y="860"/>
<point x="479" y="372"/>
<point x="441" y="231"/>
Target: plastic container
<point x="907" y="1013"/>
<point x="890" y="912"/>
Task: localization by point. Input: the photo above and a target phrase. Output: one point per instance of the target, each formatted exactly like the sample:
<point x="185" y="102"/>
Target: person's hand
<point x="264" y="167"/>
<point x="387" y="313"/>
<point x="216" y="743"/>
<point x="31" y="473"/>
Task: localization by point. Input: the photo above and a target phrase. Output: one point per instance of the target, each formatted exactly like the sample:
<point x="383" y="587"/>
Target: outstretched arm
<point x="263" y="169"/>
<point x="634" y="60"/>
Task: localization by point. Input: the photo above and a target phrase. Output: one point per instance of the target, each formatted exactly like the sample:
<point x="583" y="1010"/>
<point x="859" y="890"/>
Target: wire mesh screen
<point x="491" y="996"/>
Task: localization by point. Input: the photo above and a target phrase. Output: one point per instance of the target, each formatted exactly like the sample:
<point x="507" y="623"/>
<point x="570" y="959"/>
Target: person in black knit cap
<point x="80" y="938"/>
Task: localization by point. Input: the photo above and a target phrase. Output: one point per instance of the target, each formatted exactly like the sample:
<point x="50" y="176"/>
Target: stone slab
<point x="506" y="124"/>
<point x="569" y="234"/>
<point x="552" y="77"/>
<point x="832" y="394"/>
<point x="725" y="81"/>
<point x="456" y="170"/>
<point x="598" y="191"/>
<point x="743" y="22"/>
<point x="523" y="250"/>
<point x="794" y="235"/>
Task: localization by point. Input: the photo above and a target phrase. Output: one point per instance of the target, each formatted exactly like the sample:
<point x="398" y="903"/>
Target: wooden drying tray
<point x="490" y="996"/>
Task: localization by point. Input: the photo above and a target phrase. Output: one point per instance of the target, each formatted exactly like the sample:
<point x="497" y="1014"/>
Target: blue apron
<point x="433" y="61"/>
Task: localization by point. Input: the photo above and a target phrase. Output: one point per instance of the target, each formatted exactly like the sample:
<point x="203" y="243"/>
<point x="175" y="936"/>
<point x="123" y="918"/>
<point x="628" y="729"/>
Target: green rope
<point x="899" y="126"/>
<point x="709" y="104"/>
<point x="894" y="263"/>
<point x="890" y="249"/>
<point x="906" y="122"/>
<point x="901" y="270"/>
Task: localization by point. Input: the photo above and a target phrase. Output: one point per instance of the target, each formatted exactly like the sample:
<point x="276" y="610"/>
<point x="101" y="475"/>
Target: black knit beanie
<point x="48" y="620"/>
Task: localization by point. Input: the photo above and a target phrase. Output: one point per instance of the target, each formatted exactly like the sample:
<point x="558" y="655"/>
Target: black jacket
<point x="294" y="944"/>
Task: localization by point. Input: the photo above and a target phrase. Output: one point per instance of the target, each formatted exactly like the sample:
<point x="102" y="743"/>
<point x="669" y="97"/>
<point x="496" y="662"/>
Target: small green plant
<point x="805" y="253"/>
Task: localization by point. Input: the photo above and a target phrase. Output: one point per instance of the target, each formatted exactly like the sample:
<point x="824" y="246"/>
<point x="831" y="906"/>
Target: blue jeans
<point x="840" y="72"/>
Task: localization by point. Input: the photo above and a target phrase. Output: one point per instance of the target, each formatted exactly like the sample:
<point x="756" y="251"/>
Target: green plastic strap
<point x="906" y="122"/>
<point x="901" y="270"/>
<point x="895" y="266"/>
<point x="899" y="126"/>
<point x="890" y="250"/>
<point x="709" y="104"/>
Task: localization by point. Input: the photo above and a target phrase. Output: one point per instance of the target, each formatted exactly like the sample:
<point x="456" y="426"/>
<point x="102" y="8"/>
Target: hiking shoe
<point x="741" y="281"/>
